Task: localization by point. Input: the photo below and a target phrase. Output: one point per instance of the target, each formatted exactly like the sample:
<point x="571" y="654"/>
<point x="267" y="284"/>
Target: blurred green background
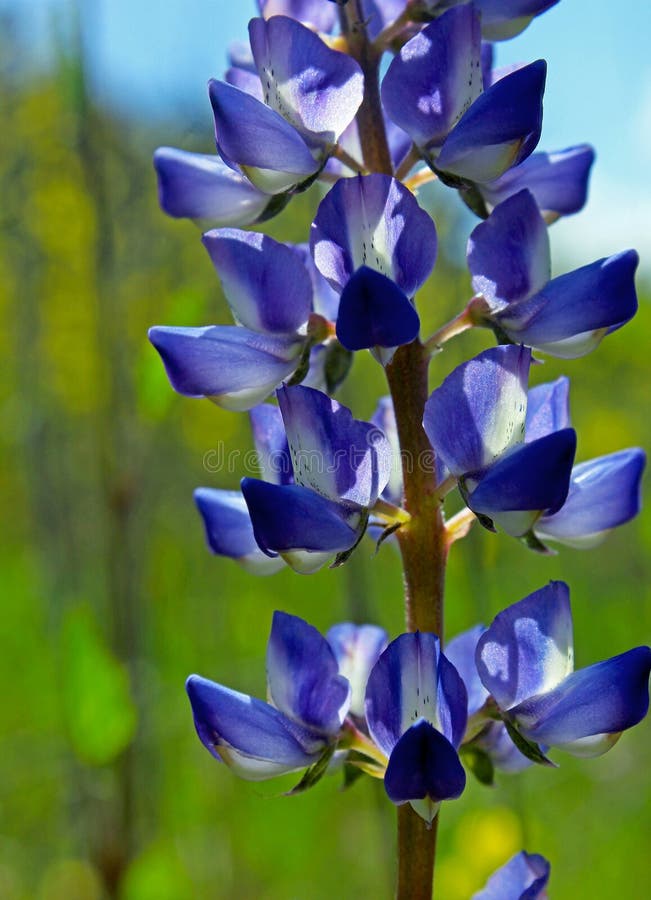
<point x="110" y="597"/>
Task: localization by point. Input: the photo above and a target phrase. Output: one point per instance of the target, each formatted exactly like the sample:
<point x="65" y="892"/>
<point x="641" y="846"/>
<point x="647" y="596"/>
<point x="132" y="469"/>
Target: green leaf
<point x="99" y="712"/>
<point x="528" y="748"/>
<point x="315" y="773"/>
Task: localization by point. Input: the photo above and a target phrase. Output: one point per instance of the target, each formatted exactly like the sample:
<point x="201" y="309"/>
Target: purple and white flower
<point x="525" y="660"/>
<point x="568" y="316"/>
<point x="416" y="710"/>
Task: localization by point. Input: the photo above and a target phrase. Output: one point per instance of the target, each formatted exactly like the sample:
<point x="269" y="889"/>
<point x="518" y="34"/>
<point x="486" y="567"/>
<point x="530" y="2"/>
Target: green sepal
<point x="303" y="366"/>
<point x="337" y="365"/>
<point x="388" y="531"/>
<point x="474" y="200"/>
<point x="501" y="336"/>
<point x="479" y="763"/>
<point x="528" y="748"/>
<point x="315" y="773"/>
<point x="534" y="543"/>
<point x="351" y="775"/>
<point x="345" y="555"/>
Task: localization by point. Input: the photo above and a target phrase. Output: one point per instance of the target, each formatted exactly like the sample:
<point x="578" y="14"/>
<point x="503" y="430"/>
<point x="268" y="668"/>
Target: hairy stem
<point x="423" y="539"/>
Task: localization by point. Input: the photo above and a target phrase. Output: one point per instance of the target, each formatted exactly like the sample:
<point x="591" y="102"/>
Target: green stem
<point x="422" y="540"/>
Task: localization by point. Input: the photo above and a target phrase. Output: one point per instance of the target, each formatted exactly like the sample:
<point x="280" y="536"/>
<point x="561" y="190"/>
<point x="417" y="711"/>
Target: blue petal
<point x="229" y="531"/>
<point x="501" y="128"/>
<point x="356" y="649"/>
<point x="270" y="442"/>
<point x="524" y="877"/>
<point x="530" y="479"/>
<point x="291" y="517"/>
<point x="379" y="14"/>
<point x="461" y="653"/>
<point x="255" y="739"/>
<point x="435" y="77"/>
<point x="303" y="676"/>
<point x="412" y="680"/>
<point x="424" y="765"/>
<point x="547" y="409"/>
<point x="373" y="220"/>
<point x="240" y="56"/>
<point x="603" y="699"/>
<point x="234" y="367"/>
<point x="336" y="455"/>
<point x="325" y="300"/>
<point x="569" y="316"/>
<point x="266" y="284"/>
<point x="604" y="493"/>
<point x="479" y="411"/>
<point x="384" y="418"/>
<point x="316" y="89"/>
<point x="558" y="181"/>
<point x="245" y="80"/>
<point x="528" y="647"/>
<point x="310" y="12"/>
<point x="508" y="254"/>
<point x="196" y="186"/>
<point x="374" y="312"/>
<point x="271" y="153"/>
<point x="504" y="19"/>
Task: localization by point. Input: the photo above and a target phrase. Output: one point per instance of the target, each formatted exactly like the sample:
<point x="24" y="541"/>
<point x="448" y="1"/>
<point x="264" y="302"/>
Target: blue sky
<point x="155" y="57"/>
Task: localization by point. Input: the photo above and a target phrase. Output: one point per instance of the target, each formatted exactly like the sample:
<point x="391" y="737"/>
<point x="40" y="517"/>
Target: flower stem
<point x="451" y="329"/>
<point x="370" y="120"/>
<point x="423" y="542"/>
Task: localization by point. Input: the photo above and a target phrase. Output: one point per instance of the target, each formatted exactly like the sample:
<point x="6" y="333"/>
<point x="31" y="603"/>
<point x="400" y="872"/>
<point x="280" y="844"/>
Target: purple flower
<point x="558" y="182"/>
<point x="416" y="709"/>
<point x="201" y="187"/>
<point x="266" y="283"/>
<point x="229" y="531"/>
<point x="475" y="422"/>
<point x="384" y="418"/>
<point x="524" y="877"/>
<point x="488" y="739"/>
<point x="525" y="660"/>
<point x="310" y="94"/>
<point x="309" y="700"/>
<point x="375" y="246"/>
<point x="357" y="649"/>
<point x="270" y="292"/>
<point x="341" y="465"/>
<point x="225" y="515"/>
<point x="604" y="493"/>
<point x="547" y="409"/>
<point x="433" y="90"/>
<point x="567" y="316"/>
<point x="374" y="221"/>
<point x="504" y="19"/>
<point x="313" y="13"/>
<point x="234" y="367"/>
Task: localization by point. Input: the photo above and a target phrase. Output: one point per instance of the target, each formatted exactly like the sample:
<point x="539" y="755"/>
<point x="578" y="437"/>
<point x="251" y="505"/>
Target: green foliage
<point x="99" y="713"/>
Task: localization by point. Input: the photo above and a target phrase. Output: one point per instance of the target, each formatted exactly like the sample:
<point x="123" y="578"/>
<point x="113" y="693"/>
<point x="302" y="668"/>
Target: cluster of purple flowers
<point x="408" y="712"/>
<point x="286" y="116"/>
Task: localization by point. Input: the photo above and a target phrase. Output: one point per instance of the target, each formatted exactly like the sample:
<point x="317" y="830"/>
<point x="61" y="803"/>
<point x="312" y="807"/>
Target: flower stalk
<point x="423" y="545"/>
